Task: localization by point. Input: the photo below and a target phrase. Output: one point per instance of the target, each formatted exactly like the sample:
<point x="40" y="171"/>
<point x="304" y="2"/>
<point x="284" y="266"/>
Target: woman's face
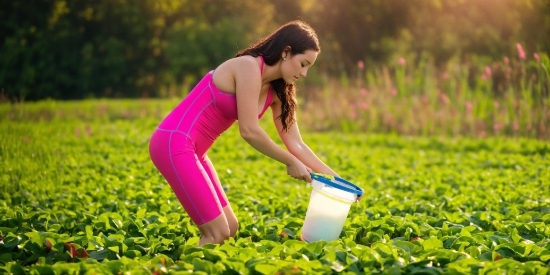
<point x="296" y="66"/>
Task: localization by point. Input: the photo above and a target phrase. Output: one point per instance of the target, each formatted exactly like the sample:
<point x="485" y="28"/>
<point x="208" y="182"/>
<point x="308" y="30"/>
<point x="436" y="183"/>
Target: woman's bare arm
<point x="248" y="85"/>
<point x="296" y="146"/>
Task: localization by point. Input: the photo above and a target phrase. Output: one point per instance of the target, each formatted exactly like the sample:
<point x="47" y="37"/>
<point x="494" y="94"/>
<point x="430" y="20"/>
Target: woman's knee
<point x="217" y="231"/>
<point x="231" y="220"/>
<point x="218" y="235"/>
<point x="233" y="228"/>
<point x="223" y="234"/>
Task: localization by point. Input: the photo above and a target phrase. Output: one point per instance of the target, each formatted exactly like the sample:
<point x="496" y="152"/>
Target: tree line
<point x="74" y="49"/>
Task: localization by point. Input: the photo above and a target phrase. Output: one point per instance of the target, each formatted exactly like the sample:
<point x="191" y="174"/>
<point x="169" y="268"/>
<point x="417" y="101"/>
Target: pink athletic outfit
<point x="179" y="144"/>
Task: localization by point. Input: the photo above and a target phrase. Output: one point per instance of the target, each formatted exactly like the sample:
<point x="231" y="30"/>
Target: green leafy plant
<point x="82" y="196"/>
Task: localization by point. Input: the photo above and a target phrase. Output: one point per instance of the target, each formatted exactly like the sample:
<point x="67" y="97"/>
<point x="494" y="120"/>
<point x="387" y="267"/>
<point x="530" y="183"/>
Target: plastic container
<point x="328" y="207"/>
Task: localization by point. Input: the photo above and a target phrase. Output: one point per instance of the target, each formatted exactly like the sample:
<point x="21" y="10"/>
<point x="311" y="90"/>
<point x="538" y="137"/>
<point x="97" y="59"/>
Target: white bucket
<point x="328" y="208"/>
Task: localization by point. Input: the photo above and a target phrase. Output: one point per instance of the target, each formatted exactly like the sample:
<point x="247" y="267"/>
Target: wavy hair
<point x="300" y="37"/>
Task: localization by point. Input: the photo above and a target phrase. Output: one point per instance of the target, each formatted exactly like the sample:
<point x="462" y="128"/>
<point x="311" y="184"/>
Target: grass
<point x="477" y="99"/>
<point x="480" y="99"/>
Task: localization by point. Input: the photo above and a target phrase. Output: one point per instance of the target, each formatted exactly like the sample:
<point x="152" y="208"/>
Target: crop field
<point x="79" y="195"/>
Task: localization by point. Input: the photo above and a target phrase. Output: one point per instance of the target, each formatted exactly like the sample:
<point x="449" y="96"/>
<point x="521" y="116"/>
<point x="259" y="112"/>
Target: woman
<point x="243" y="87"/>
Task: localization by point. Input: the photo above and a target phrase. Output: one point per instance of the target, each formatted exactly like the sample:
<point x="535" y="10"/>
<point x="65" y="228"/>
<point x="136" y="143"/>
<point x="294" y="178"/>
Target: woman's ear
<point x="286" y="52"/>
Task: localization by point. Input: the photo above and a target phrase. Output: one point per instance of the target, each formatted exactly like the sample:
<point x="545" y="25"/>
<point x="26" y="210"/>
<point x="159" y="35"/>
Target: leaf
<point x="132" y="254"/>
<point x="515" y="236"/>
<point x="266" y="269"/>
<point x="545" y="255"/>
<point x="294" y="244"/>
<point x="42" y="270"/>
<point x="89" y="231"/>
<point x="10" y="241"/>
<point x="383" y="249"/>
<point x="213" y="255"/>
<point x="16" y="269"/>
<point x="465" y="232"/>
<point x="71" y="249"/>
<point x="141" y="213"/>
<point x="99" y="255"/>
<point x="511" y="249"/>
<point x="5" y="258"/>
<point x="35" y="237"/>
<point x="201" y="265"/>
<point x="432" y="243"/>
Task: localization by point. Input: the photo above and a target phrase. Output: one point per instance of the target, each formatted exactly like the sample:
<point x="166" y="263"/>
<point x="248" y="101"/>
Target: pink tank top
<point x="206" y="112"/>
<point x="227" y="102"/>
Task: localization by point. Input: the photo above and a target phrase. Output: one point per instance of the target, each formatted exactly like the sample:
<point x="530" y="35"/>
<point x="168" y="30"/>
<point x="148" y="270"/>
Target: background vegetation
<point x="69" y="49"/>
<point x="428" y="67"/>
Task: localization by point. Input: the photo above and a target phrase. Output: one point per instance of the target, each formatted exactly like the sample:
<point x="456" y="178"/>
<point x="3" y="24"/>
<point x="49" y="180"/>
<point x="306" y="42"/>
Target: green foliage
<point x="67" y="49"/>
<point x="81" y="196"/>
<point x="75" y="49"/>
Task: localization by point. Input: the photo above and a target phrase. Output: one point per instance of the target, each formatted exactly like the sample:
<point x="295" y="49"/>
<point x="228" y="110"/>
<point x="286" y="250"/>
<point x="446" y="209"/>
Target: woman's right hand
<point x="299" y="170"/>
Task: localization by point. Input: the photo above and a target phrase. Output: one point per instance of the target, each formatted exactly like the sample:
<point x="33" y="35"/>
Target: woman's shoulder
<point x="226" y="74"/>
<point x="239" y="61"/>
<point x="240" y="64"/>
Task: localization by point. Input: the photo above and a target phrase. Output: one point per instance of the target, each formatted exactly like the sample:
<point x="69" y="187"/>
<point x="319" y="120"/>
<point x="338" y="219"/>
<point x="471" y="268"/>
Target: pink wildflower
<point x="352" y="115"/>
<point x="469" y="107"/>
<point x="496" y="104"/>
<point x="498" y="126"/>
<point x="444" y="98"/>
<point x="521" y="52"/>
<point x="102" y="109"/>
<point x="401" y="61"/>
<point x="488" y="71"/>
<point x="88" y="130"/>
<point x="425" y="100"/>
<point x="393" y="91"/>
<point x="364" y="92"/>
<point x="364" y="106"/>
<point x="453" y="112"/>
<point x="515" y="125"/>
<point x="537" y="57"/>
<point x="446" y="76"/>
<point x="360" y="64"/>
<point x="506" y="60"/>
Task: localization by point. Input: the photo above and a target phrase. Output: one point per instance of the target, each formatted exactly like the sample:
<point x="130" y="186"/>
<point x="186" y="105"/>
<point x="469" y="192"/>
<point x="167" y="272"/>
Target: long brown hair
<point x="300" y="37"/>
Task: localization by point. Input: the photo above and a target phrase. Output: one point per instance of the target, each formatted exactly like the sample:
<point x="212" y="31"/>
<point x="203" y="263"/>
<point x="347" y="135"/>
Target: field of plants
<point x="78" y="194"/>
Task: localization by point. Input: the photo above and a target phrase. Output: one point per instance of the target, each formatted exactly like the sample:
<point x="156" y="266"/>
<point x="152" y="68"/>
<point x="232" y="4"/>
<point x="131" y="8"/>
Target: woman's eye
<point x="303" y="65"/>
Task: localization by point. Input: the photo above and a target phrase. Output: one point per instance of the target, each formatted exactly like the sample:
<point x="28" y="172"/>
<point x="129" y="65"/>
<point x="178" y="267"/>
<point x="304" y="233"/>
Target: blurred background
<point x="399" y="66"/>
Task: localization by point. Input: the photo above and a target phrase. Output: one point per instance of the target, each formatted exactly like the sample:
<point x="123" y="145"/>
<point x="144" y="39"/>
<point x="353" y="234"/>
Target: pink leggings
<point x="193" y="178"/>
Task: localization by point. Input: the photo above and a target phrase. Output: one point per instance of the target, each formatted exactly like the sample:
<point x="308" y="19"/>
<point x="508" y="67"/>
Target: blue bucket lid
<point x="338" y="183"/>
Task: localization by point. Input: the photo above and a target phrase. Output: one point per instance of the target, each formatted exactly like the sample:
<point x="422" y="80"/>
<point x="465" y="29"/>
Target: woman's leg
<point x="228" y="211"/>
<point x="214" y="231"/>
<point x="174" y="156"/>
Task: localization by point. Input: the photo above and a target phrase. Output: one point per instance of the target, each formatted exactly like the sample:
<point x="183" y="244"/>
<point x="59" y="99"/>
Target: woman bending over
<point x="241" y="88"/>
